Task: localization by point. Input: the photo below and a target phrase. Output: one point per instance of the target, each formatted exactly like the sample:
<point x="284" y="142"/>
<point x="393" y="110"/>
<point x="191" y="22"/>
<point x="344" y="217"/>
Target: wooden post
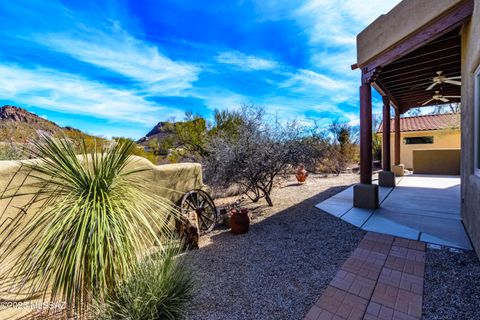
<point x="365" y="133"/>
<point x="397" y="137"/>
<point x="386" y="162"/>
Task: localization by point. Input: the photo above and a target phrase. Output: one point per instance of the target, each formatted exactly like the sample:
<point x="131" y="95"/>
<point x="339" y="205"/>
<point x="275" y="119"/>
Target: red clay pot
<point x="239" y="221"/>
<point x="302" y="174"/>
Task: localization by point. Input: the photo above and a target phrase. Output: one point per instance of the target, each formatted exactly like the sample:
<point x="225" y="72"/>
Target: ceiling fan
<point x="440" y="97"/>
<point x="441" y="78"/>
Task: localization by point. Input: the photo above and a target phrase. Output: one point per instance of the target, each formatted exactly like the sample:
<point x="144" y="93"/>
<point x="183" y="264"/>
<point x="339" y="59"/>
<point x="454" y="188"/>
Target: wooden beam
<point x="437" y="28"/>
<point x="450" y="65"/>
<point x="421" y="63"/>
<point x="382" y="89"/>
<point x="365" y="133"/>
<point x="410" y="95"/>
<point x="397" y="137"/>
<point x="420" y="77"/>
<point x="386" y="162"/>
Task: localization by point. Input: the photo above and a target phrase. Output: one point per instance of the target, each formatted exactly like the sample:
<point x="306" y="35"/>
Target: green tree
<point x="192" y="135"/>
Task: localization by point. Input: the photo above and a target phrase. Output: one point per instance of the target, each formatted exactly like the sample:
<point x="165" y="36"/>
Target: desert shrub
<point x="89" y="217"/>
<point x="12" y="151"/>
<point x="192" y="136"/>
<point x="139" y="150"/>
<point x="343" y="150"/>
<point x="159" y="287"/>
<point x="262" y="150"/>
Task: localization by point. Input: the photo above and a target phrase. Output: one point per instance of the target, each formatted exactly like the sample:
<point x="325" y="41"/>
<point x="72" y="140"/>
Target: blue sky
<point x="116" y="68"/>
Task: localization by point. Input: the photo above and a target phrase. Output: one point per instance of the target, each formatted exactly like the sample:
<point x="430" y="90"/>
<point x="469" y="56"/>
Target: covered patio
<point x="420" y="207"/>
<point x="410" y="67"/>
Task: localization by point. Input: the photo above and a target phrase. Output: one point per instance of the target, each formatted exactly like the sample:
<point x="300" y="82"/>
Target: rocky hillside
<point x="161" y="131"/>
<point x="19" y="125"/>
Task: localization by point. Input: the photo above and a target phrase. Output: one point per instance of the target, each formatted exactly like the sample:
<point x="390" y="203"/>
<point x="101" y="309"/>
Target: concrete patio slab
<point x="461" y="244"/>
<point x="421" y="207"/>
<point x="381" y="223"/>
<point x="336" y="207"/>
<point x="357" y="216"/>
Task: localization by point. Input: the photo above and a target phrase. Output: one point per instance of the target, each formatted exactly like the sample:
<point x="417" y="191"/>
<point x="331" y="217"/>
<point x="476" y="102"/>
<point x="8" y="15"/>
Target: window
<point x="418" y="140"/>
<point x="477" y="122"/>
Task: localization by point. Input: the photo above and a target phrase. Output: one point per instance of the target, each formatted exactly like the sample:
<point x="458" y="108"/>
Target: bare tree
<point x="254" y="157"/>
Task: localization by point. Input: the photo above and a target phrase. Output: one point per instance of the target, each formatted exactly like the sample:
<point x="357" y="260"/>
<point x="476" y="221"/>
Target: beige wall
<point x="470" y="182"/>
<point x="403" y="20"/>
<point x="442" y="139"/>
<point x="169" y="181"/>
<point x="436" y="161"/>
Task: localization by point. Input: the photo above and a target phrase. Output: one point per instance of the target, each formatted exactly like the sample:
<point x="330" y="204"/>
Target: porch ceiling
<point x="407" y="78"/>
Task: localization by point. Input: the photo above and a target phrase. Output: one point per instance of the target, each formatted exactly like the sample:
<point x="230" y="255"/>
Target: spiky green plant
<point x="158" y="288"/>
<point x="88" y="220"/>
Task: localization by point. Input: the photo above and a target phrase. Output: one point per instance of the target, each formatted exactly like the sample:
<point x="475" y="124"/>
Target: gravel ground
<point x="452" y="285"/>
<point x="281" y="266"/>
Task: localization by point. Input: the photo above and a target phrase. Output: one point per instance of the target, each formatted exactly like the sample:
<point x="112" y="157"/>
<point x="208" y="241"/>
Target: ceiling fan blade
<point x="428" y="101"/>
<point x="457" y="77"/>
<point x="455" y="82"/>
<point x="443" y="99"/>
<point x="453" y="97"/>
<point x="430" y="87"/>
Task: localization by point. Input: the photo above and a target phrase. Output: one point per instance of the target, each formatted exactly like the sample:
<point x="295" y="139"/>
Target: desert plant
<point x="158" y="288"/>
<point x="192" y="136"/>
<point x="262" y="151"/>
<point x="12" y="151"/>
<point x="343" y="151"/>
<point x="88" y="219"/>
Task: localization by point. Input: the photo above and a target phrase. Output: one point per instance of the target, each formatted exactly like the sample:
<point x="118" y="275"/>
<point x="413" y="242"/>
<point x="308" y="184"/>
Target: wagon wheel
<point x="200" y="202"/>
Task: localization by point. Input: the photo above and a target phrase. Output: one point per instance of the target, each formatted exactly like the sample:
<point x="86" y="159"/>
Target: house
<point x="429" y="134"/>
<point x="422" y="53"/>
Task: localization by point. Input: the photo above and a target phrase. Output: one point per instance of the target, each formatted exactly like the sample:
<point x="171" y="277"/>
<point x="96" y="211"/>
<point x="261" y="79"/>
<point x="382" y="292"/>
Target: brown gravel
<point x="452" y="285"/>
<point x="281" y="266"/>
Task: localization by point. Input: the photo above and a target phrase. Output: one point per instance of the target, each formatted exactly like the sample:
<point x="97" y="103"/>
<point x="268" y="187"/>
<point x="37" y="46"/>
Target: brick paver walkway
<point x="382" y="279"/>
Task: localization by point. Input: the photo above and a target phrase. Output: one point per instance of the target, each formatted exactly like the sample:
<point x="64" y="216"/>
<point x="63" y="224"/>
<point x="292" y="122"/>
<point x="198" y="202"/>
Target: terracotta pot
<point x="239" y="221"/>
<point x="302" y="174"/>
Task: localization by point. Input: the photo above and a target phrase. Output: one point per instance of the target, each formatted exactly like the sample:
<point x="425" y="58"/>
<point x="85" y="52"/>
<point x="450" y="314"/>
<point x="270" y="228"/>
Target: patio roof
<point x="407" y="78"/>
<point x="400" y="53"/>
<point x="404" y="21"/>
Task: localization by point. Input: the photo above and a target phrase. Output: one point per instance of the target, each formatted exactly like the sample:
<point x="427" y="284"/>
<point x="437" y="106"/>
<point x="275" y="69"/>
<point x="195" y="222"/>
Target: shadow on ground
<point x="277" y="270"/>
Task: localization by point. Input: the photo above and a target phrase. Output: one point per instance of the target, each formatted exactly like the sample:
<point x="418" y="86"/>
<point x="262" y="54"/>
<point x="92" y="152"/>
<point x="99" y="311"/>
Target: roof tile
<point x="425" y="123"/>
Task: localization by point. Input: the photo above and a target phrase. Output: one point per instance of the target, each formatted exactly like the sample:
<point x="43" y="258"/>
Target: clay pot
<point x="302" y="174"/>
<point x="239" y="221"/>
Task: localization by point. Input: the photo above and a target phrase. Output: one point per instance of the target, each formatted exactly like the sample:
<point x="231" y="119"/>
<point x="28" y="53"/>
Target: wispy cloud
<point x="112" y="61"/>
<point x="53" y="90"/>
<point x="331" y="22"/>
<point x="305" y="79"/>
<point x="123" y="54"/>
<point x="244" y="61"/>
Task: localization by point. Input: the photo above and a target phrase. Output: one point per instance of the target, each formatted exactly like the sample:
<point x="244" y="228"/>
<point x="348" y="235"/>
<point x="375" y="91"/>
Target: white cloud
<point x="305" y="79"/>
<point x="338" y="22"/>
<point x="116" y="50"/>
<point x="54" y="90"/>
<point x="244" y="61"/>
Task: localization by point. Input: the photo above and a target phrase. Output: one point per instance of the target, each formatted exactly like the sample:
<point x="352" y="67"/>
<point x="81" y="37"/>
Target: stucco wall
<point x="400" y="22"/>
<point x="436" y="161"/>
<point x="442" y="139"/>
<point x="470" y="182"/>
<point x="170" y="181"/>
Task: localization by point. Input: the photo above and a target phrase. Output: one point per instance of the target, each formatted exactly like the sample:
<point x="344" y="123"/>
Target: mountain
<point x="160" y="132"/>
<point x="19" y="125"/>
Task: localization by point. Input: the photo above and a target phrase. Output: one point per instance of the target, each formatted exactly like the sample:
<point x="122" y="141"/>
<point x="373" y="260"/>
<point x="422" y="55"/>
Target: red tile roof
<point x="425" y="123"/>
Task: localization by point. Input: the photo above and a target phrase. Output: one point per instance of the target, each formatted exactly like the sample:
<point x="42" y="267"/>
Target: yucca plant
<point x="159" y="288"/>
<point x="89" y="219"/>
